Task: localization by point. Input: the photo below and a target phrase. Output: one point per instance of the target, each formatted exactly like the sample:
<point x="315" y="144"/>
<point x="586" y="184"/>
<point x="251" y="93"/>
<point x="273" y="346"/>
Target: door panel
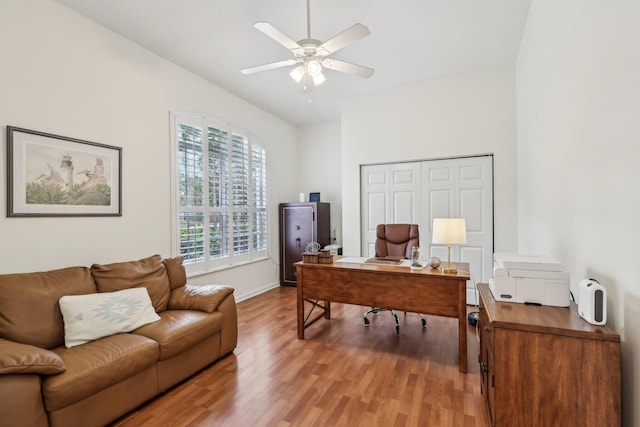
<point x="403" y="207"/>
<point x="377" y="178"/>
<point x="298" y="228"/>
<point x="470" y="189"/>
<point x="471" y="204"/>
<point x="439" y="175"/>
<point x="440" y="205"/>
<point x="377" y="212"/>
<point x="374" y="186"/>
<point x="390" y="194"/>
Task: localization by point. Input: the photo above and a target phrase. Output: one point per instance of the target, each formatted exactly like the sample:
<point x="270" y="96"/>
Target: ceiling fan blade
<point x="347" y="67"/>
<point x="270" y="66"/>
<point x="345" y="38"/>
<point x="275" y="34"/>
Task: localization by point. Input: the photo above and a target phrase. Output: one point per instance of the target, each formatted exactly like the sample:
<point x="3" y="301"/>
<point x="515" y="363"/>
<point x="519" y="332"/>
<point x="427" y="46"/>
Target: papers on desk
<point x="385" y="261"/>
<point x="352" y="259"/>
<point x="363" y="260"/>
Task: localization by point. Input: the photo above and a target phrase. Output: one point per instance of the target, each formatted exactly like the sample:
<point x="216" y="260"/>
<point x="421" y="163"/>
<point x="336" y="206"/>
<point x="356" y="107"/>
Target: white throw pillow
<point x="92" y="316"/>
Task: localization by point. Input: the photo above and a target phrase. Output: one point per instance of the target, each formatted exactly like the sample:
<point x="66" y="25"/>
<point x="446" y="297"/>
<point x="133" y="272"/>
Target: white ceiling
<point x="411" y="40"/>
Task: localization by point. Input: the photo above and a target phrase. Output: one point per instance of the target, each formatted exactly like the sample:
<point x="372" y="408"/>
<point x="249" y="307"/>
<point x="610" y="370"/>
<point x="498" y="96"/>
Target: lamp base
<point x="450" y="270"/>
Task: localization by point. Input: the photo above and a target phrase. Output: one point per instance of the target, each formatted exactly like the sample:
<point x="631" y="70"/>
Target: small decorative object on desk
<point x="416" y="263"/>
<point x="311" y="253"/>
<point x="434" y="262"/>
<point x="325" y="256"/>
<point x="313" y="247"/>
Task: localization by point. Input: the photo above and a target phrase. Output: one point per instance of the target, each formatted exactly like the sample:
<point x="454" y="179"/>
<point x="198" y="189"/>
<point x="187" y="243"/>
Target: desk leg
<point x="462" y="326"/>
<point x="300" y="307"/>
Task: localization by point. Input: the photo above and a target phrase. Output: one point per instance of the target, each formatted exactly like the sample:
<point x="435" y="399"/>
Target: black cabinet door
<point x="300" y="223"/>
<point x="298" y="230"/>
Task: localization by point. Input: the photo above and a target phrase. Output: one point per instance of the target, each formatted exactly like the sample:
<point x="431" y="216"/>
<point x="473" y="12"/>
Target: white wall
<point x="319" y="168"/>
<point x="460" y="115"/>
<point x="578" y="88"/>
<point x="63" y="74"/>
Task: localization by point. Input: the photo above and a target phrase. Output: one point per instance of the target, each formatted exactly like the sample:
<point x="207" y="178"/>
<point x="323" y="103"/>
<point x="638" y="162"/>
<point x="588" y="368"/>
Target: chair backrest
<point x="396" y="240"/>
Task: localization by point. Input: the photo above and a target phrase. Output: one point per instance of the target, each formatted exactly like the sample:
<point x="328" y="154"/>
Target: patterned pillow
<point x="92" y="316"/>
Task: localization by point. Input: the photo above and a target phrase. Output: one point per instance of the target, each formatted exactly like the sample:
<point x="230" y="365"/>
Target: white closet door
<point x="461" y="188"/>
<point x="390" y="194"/>
<point x="417" y="192"/>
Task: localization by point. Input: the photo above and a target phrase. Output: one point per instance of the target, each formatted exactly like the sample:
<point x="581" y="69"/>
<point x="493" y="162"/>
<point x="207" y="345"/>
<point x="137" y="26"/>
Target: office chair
<point x="395" y="241"/>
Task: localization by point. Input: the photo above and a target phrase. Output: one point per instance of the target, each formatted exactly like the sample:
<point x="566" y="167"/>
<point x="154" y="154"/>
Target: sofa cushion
<point x="179" y="330"/>
<point x="29" y="304"/>
<point x="148" y="272"/>
<point x="176" y="272"/>
<point x="93" y="316"/>
<point x="203" y="298"/>
<point x="16" y="358"/>
<point x="97" y="365"/>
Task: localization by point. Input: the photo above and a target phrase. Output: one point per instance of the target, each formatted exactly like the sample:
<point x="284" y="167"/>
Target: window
<point x="219" y="193"/>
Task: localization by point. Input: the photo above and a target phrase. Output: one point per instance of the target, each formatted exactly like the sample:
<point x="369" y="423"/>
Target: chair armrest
<point x="17" y="358"/>
<point x="202" y="298"/>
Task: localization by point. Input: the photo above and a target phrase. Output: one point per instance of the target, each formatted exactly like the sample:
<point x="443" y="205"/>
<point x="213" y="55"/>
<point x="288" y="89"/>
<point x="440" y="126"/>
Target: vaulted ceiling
<point x="411" y="40"/>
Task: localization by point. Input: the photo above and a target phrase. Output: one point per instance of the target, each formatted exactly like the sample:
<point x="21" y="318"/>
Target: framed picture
<point x="50" y="175"/>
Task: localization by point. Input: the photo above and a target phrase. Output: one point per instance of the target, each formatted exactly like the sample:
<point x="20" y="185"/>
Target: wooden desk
<point x="423" y="291"/>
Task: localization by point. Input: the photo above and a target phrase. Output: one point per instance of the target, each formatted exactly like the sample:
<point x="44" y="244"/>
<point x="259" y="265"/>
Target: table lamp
<point x="449" y="231"/>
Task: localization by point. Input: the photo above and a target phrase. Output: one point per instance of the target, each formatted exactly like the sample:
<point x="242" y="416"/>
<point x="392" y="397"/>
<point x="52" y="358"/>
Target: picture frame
<point x="56" y="176"/>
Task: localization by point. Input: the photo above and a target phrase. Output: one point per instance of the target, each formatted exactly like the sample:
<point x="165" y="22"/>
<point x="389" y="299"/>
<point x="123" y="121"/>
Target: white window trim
<point x="201" y="119"/>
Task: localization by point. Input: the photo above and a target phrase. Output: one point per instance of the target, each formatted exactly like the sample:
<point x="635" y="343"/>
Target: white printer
<point x="529" y="279"/>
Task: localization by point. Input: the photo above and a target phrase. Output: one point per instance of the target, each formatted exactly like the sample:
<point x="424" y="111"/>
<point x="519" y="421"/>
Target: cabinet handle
<point x="487" y="329"/>
<point x="483" y="367"/>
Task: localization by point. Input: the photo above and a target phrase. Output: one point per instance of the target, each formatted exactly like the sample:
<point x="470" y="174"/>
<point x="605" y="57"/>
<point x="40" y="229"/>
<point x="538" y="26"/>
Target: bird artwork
<point x="95" y="177"/>
<point x="58" y="186"/>
<point x="54" y="178"/>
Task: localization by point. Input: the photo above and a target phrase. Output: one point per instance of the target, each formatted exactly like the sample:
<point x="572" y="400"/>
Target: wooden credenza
<point x="546" y="366"/>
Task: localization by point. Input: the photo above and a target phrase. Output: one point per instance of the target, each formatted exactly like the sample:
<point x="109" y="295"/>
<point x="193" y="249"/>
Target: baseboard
<point x="256" y="292"/>
<point x="472" y="297"/>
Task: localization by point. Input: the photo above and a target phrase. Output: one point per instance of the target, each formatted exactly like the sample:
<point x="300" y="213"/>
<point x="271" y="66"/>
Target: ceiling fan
<point x="312" y="56"/>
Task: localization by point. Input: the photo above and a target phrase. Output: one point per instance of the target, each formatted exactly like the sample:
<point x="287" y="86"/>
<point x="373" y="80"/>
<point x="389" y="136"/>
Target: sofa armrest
<point x="16" y="358"/>
<point x="21" y="402"/>
<point x="202" y="298"/>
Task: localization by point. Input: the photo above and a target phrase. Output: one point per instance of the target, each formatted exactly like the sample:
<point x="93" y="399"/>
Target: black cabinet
<point x="300" y="223"/>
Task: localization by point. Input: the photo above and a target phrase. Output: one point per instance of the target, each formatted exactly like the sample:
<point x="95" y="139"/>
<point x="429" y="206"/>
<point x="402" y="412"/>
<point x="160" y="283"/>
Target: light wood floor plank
<point x="343" y="374"/>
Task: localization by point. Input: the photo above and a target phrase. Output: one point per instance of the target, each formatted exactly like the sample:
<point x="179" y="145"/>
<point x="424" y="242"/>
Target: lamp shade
<point x="449" y="231"/>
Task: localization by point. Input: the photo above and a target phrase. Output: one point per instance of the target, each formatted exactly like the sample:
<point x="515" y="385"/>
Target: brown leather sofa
<point x="43" y="383"/>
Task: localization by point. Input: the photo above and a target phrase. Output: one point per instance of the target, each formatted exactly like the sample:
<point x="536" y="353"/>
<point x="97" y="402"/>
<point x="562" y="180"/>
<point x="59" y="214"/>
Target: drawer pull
<point x="487" y="329"/>
<point x="483" y="367"/>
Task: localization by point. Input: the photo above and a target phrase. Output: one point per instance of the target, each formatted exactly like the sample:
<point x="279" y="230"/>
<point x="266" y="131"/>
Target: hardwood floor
<point x="342" y="374"/>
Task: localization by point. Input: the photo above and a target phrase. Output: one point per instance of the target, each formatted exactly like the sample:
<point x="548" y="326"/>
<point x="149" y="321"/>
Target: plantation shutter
<point x="221" y="194"/>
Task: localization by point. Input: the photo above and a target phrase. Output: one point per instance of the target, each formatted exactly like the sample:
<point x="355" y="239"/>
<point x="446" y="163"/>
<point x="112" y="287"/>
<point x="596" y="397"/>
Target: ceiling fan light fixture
<point x="314" y="67"/>
<point x="318" y="79"/>
<point x="298" y="73"/>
